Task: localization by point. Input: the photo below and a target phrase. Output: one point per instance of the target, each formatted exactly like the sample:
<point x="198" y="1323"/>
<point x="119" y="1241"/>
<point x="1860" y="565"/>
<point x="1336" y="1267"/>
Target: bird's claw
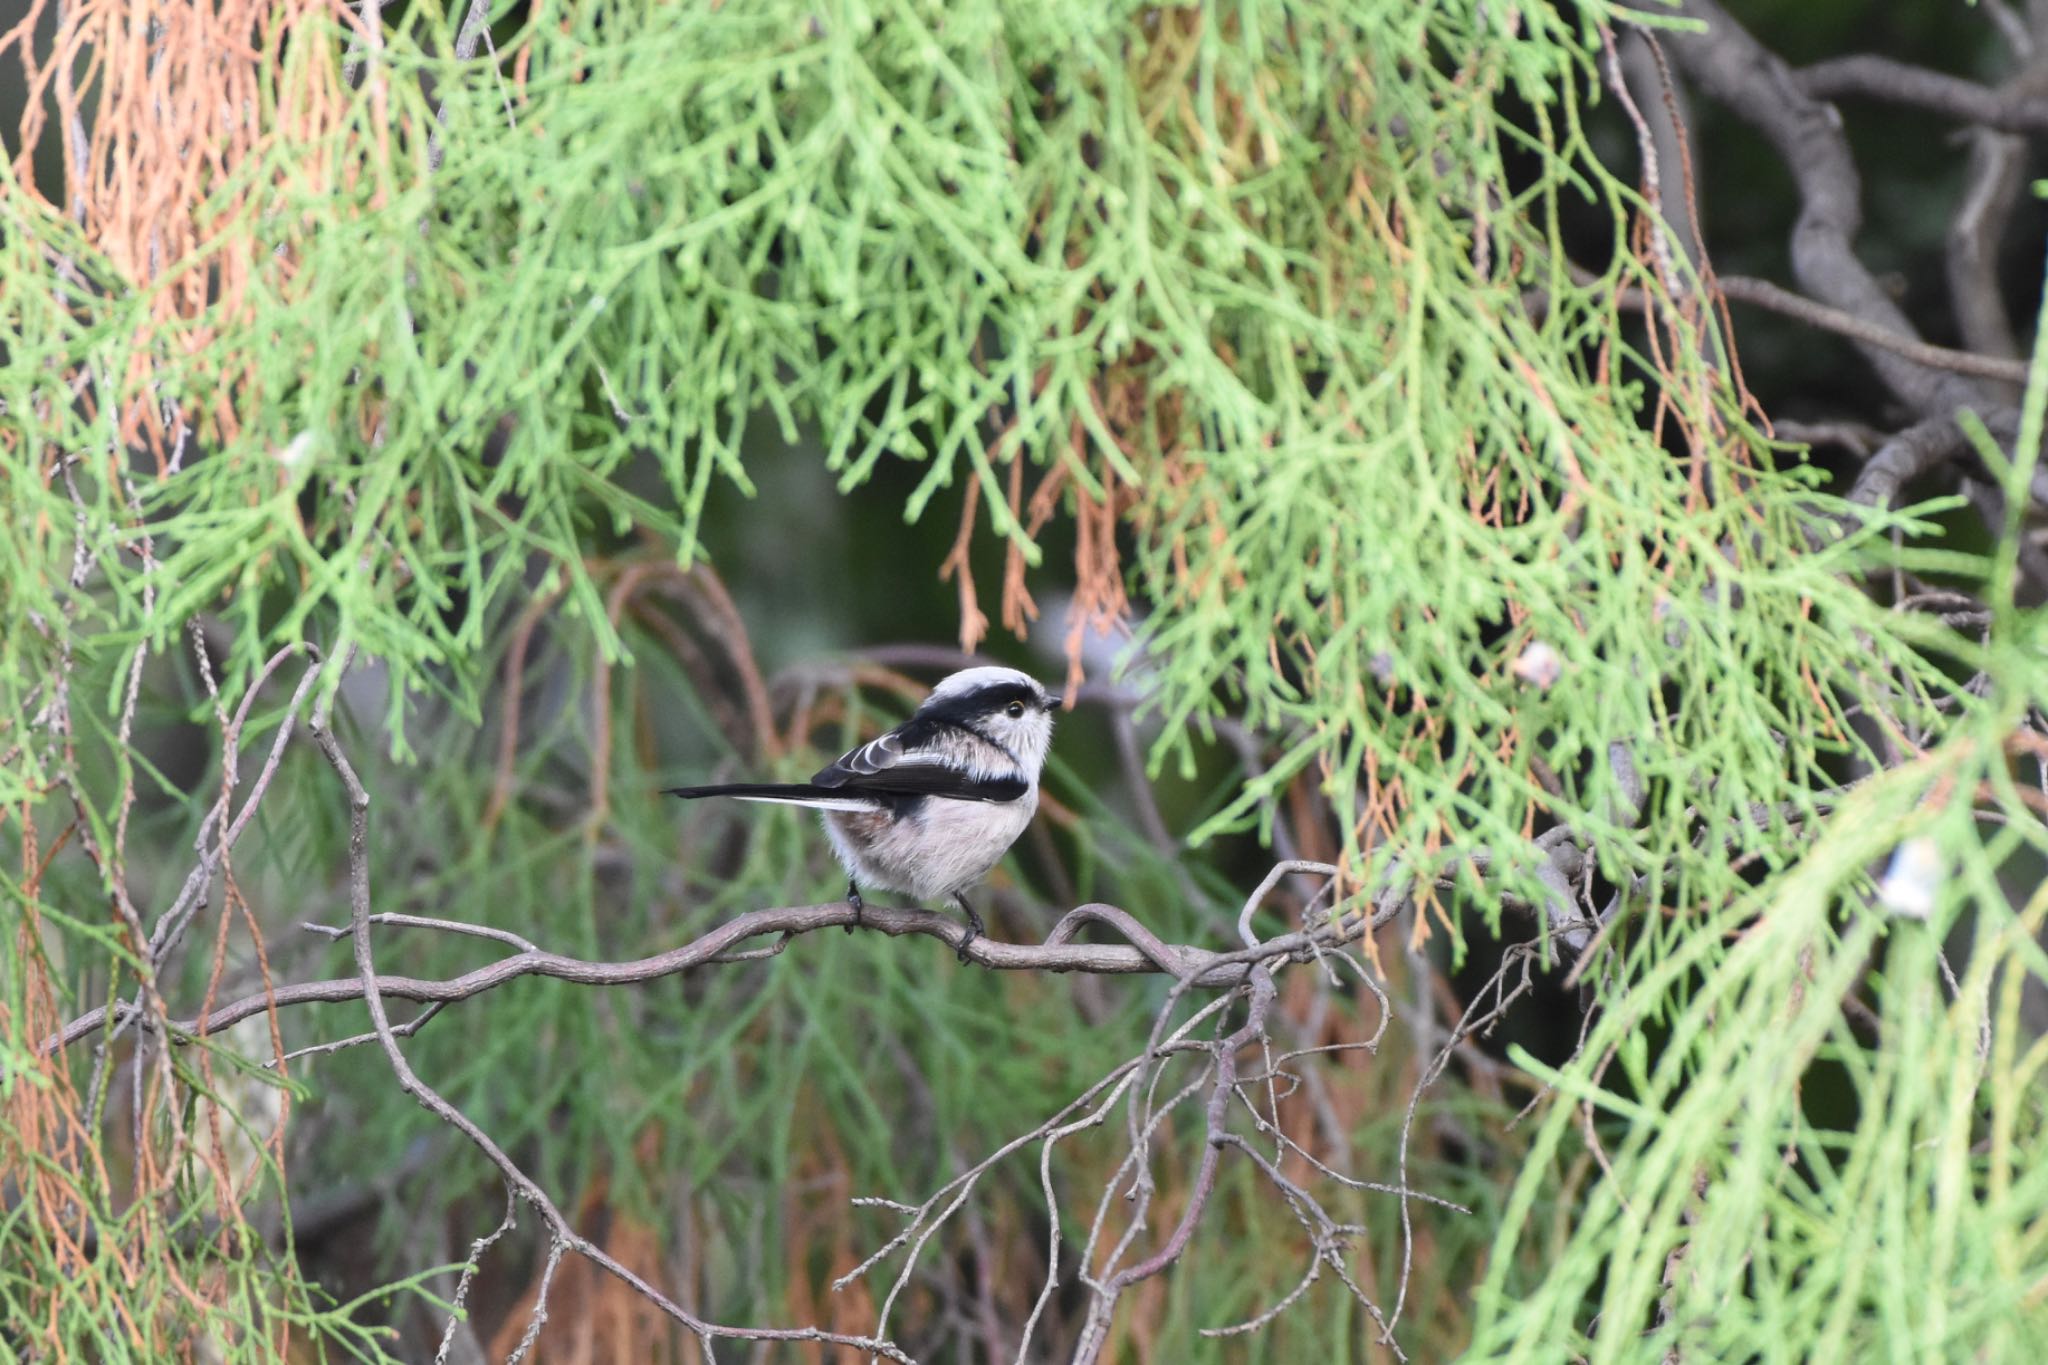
<point x="975" y="928"/>
<point x="859" y="907"/>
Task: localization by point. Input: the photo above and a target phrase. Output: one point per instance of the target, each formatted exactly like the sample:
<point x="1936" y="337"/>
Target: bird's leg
<point x="975" y="928"/>
<point x="853" y="899"/>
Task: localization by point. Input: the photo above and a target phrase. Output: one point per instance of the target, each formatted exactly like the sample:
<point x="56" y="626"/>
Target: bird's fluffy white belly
<point x="943" y="848"/>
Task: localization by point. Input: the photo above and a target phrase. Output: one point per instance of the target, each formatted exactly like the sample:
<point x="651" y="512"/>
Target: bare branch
<point x="1764" y="294"/>
<point x="1881" y="78"/>
<point x="449" y="926"/>
<point x="468" y="1276"/>
<point x="1904" y="457"/>
<point x="1280" y="869"/>
<point x="1107" y="1290"/>
<point x="1204" y="968"/>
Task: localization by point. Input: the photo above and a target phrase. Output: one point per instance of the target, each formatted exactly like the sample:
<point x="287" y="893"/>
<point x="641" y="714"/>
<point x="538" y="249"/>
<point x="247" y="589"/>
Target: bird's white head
<point x="1004" y="705"/>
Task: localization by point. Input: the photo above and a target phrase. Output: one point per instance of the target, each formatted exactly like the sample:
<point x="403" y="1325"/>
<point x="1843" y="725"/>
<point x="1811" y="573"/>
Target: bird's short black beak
<point x="1053" y="700"/>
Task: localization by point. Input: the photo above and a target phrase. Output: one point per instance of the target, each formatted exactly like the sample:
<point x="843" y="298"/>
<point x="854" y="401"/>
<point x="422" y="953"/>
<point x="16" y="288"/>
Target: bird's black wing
<point x="903" y="763"/>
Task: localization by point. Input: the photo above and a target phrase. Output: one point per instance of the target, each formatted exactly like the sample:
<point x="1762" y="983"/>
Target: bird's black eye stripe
<point x="1003" y="699"/>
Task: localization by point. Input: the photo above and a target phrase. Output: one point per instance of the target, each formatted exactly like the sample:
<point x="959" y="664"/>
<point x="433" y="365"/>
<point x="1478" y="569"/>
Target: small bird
<point x="931" y="806"/>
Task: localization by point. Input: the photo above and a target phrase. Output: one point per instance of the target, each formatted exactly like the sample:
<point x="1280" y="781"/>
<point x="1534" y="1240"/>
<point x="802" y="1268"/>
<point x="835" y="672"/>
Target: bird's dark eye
<point x="1016" y="710"/>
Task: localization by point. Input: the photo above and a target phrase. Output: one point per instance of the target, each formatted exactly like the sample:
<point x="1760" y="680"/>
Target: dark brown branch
<point x="1991" y="193"/>
<point x="1764" y="294"/>
<point x="1895" y="82"/>
<point x="1733" y="67"/>
<point x="1907" y="455"/>
<point x="1858" y="438"/>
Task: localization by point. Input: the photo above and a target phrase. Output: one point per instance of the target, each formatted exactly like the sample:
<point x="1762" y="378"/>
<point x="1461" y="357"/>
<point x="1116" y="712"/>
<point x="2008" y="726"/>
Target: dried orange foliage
<point x="119" y="1259"/>
<point x="193" y="110"/>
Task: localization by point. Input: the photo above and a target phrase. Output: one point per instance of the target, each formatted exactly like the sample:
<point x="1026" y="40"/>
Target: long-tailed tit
<point x="930" y="807"/>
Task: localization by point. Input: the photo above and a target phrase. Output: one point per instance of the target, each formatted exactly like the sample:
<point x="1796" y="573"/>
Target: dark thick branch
<point x="1733" y="67"/>
<point x="1991" y="193"/>
<point x="1906" y="456"/>
<point x="1894" y="82"/>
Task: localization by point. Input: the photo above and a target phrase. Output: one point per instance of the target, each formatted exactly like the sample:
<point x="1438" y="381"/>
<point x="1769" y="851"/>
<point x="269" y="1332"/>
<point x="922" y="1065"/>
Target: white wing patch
<point x="877" y="755"/>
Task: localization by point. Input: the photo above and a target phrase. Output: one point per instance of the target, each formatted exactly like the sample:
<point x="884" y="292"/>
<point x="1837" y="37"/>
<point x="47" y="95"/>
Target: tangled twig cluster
<point x="1217" y="1059"/>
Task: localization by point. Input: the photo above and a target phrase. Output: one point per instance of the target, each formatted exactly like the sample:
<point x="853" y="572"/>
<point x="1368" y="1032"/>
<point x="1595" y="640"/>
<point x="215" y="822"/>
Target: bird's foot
<point x="975" y="928"/>
<point x="859" y="906"/>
